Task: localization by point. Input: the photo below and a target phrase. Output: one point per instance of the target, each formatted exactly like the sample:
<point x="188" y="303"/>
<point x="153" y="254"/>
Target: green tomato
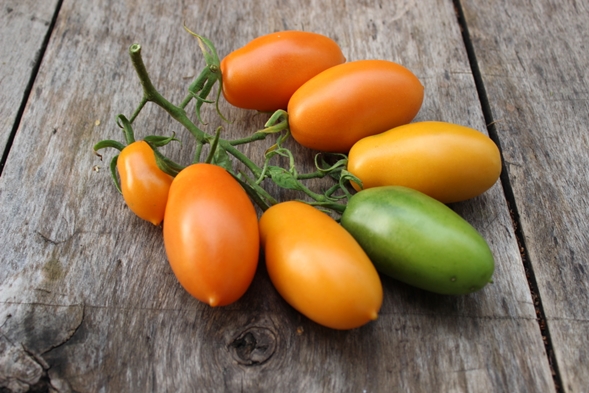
<point x="419" y="240"/>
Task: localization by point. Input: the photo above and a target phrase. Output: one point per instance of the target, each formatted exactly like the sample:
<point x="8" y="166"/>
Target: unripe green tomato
<point x="418" y="240"/>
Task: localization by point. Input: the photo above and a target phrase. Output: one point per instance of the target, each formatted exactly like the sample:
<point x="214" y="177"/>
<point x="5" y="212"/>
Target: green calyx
<point x="154" y="141"/>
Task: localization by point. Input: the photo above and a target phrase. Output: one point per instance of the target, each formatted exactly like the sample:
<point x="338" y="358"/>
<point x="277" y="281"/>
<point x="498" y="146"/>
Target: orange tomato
<point x="211" y="234"/>
<point x="143" y="184"/>
<point x="263" y="74"/>
<point x="318" y="267"/>
<point x="350" y="101"/>
<point x="448" y="162"/>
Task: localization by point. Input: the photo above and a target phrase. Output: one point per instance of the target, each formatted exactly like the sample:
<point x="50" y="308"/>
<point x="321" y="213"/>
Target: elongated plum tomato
<point x="211" y="234"/>
<point x="446" y="161"/>
<point x="419" y="240"/>
<point x="145" y="187"/>
<point x="318" y="267"/>
<point x="265" y="73"/>
<point x="350" y="101"/>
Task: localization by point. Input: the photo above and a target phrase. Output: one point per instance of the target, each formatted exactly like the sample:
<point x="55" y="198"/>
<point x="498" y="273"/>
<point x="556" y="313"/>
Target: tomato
<point x="318" y="268"/>
<point x="145" y="187"/>
<point x="419" y="240"/>
<point x="263" y="74"/>
<point x="446" y="161"/>
<point x="211" y="234"/>
<point x="350" y="101"/>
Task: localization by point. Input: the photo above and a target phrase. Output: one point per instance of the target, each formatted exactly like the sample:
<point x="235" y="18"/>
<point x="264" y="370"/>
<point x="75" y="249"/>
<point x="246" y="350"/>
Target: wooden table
<point x="88" y="302"/>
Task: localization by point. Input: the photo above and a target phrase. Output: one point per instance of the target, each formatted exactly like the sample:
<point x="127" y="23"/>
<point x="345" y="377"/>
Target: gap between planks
<point x="509" y="197"/>
<point x="29" y="87"/>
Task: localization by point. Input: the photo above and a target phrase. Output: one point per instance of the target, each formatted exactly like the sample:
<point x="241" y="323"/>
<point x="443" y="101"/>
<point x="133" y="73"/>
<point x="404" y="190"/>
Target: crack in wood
<point x="24" y="368"/>
<point x="509" y="194"/>
<point x="47" y="239"/>
<point x="70" y="333"/>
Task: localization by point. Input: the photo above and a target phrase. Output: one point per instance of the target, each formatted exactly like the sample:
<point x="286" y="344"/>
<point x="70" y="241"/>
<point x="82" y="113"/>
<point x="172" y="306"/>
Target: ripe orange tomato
<point x="263" y="74"/>
<point x="448" y="162"/>
<point x="211" y="234"/>
<point x="350" y="101"/>
<point x="318" y="267"/>
<point x="143" y="184"/>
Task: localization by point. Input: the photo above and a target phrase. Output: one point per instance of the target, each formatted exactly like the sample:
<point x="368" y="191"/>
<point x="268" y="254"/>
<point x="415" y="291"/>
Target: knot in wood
<point x="253" y="346"/>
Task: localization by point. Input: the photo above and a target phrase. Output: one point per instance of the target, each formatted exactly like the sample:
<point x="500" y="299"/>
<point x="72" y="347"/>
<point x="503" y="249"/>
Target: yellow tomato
<point x="448" y="162"/>
<point x="318" y="267"/>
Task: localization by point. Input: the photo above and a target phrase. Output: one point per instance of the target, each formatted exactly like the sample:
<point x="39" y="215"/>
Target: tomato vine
<point x="223" y="152"/>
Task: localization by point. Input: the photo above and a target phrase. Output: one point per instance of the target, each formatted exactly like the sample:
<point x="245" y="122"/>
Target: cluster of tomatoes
<point x="397" y="223"/>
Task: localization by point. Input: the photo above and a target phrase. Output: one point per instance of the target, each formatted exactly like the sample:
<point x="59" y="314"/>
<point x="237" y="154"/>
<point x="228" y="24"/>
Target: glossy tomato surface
<point x="419" y="240"/>
<point x="144" y="186"/>
<point x="350" y="101"/>
<point x="448" y="162"/>
<point x="211" y="234"/>
<point x="318" y="267"/>
<point x="265" y="73"/>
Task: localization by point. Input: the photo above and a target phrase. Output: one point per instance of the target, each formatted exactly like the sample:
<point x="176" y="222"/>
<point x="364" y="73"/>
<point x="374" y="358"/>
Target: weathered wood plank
<point x="23" y="26"/>
<point x="93" y="280"/>
<point x="533" y="58"/>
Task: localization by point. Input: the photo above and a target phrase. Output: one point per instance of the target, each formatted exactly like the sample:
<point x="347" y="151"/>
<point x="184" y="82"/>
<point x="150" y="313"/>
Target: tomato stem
<point x="113" y="173"/>
<point x="214" y="145"/>
<point x="252" y="138"/>
<point x="179" y="114"/>
<point x="125" y="124"/>
<point x="138" y="109"/>
<point x="337" y="207"/>
<point x="221" y="148"/>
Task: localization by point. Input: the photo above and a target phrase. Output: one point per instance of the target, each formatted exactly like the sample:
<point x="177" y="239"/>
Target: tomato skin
<point x="318" y="268"/>
<point x="348" y="102"/>
<point x="144" y="186"/>
<point x="211" y="234"/>
<point x="448" y="162"/>
<point x="419" y="240"/>
<point x="264" y="74"/>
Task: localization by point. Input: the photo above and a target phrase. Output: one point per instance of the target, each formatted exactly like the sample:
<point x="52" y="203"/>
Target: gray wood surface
<point x="89" y="303"/>
<point x="23" y="27"/>
<point x="533" y="59"/>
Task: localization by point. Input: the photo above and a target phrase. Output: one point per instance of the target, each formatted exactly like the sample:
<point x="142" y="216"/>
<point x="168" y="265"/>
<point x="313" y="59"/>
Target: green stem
<point x="332" y="190"/>
<point x="199" y="89"/>
<point x="108" y="143"/>
<point x="312" y="175"/>
<point x="337" y="207"/>
<point x="151" y="94"/>
<point x="252" y="138"/>
<point x="127" y="129"/>
<point x="195" y="86"/>
<point x="197" y="152"/>
<point x="214" y="145"/>
<point x="139" y="108"/>
<point x="262" y="198"/>
<point x="229" y="148"/>
<point x="317" y="197"/>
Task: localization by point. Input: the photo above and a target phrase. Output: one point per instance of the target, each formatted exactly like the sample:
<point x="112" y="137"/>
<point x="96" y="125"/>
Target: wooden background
<point x="88" y="302"/>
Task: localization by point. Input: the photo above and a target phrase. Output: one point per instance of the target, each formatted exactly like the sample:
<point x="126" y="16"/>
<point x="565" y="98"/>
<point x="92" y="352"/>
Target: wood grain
<point x="23" y="26"/>
<point x="533" y="60"/>
<point x="93" y="281"/>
